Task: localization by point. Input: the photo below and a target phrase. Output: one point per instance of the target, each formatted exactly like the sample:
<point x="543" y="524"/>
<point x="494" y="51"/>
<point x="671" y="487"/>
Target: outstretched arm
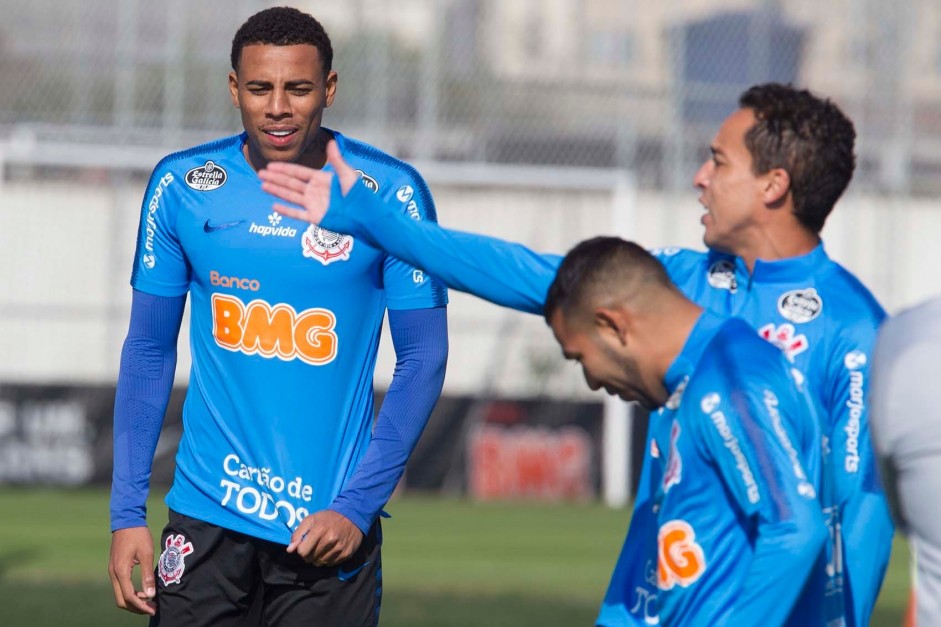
<point x="501" y="272"/>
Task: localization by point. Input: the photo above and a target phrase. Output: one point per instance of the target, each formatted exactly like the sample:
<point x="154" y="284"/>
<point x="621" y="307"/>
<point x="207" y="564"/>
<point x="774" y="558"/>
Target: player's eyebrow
<point x="288" y="84"/>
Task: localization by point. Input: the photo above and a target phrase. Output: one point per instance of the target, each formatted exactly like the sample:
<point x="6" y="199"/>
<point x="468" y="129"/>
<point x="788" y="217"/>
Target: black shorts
<point x="210" y="576"/>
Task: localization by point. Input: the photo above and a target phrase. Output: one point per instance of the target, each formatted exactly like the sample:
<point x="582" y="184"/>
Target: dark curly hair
<point x="807" y="136"/>
<point x="282" y="26"/>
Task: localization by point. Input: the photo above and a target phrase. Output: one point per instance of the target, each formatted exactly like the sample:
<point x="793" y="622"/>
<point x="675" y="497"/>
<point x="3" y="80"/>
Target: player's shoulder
<point x="846" y="299"/>
<point x="737" y="349"/>
<point x="375" y="162"/>
<point x="737" y="358"/>
<point x="676" y="254"/>
<point x="688" y="267"/>
<point x="390" y="177"/>
<point x="684" y="262"/>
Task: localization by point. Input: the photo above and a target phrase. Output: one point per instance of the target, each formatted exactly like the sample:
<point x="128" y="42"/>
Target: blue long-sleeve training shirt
<point x="285" y="325"/>
<point x="513" y="276"/>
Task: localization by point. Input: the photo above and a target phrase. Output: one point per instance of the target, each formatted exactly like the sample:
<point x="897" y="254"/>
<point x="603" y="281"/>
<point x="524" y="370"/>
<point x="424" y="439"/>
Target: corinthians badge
<point x="326" y="246"/>
<point x="172" y="560"/>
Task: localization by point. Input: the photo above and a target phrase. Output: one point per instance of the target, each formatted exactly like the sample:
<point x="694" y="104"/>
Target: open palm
<point x="306" y="187"/>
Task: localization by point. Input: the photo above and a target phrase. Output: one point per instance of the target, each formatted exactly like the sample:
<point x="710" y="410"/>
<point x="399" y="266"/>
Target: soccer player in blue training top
<point x="779" y="165"/>
<point x="737" y="527"/>
<point x="280" y="475"/>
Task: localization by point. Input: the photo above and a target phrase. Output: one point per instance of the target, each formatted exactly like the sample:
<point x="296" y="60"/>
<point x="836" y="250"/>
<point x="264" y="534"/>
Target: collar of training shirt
<point x="682" y="367"/>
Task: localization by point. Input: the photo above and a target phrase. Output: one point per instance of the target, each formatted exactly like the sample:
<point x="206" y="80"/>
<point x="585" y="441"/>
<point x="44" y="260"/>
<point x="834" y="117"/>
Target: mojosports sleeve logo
<point x="680" y="559"/>
<point x="259" y="328"/>
<point x="173" y="559"/>
<point x="405" y="194"/>
<point x="326" y="246"/>
<point x="206" y="177"/>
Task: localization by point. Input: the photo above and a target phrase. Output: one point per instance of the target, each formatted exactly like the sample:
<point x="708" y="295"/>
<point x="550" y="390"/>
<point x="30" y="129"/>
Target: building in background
<point x="600" y="83"/>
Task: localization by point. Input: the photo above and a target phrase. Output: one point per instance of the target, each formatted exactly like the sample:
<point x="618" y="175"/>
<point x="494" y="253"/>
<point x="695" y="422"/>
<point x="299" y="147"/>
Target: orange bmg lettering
<point x="680" y="559"/>
<point x="274" y="331"/>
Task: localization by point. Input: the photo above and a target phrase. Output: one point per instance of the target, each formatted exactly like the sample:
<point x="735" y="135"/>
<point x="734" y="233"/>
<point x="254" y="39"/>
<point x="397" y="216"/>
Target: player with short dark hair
<point x="806" y="136"/>
<point x="283" y="26"/>
<point x="735" y="529"/>
<point x="281" y="473"/>
<point x="764" y="264"/>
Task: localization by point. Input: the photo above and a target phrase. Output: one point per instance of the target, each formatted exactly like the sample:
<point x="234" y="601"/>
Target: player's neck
<point x="672" y="324"/>
<point x="778" y="242"/>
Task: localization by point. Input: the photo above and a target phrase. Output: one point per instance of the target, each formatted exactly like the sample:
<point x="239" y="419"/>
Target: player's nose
<point x="278" y="105"/>
<point x="701" y="178"/>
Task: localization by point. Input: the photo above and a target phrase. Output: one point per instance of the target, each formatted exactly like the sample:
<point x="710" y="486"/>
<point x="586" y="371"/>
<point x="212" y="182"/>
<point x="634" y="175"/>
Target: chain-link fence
<point x="601" y="83"/>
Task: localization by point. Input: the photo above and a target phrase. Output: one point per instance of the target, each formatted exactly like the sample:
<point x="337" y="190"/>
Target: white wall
<point x="66" y="250"/>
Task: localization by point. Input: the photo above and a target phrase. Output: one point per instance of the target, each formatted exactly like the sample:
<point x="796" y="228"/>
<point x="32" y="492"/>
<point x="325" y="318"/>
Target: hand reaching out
<point x="306" y="187"/>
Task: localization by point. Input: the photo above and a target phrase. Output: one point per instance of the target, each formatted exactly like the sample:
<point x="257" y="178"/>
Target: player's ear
<point x="234" y="89"/>
<point x="612" y="323"/>
<point x="777" y="185"/>
<point x="331" y="86"/>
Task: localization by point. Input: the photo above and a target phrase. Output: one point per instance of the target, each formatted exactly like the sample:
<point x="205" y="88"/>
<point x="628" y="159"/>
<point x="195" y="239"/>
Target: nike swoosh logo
<point x="346" y="575"/>
<point x="209" y="227"/>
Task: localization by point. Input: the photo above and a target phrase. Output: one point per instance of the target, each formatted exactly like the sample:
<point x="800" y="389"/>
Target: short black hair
<point x="603" y="266"/>
<point x="810" y="138"/>
<point x="282" y="26"/>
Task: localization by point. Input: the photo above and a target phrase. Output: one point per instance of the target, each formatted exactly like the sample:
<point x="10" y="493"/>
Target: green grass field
<point x="445" y="562"/>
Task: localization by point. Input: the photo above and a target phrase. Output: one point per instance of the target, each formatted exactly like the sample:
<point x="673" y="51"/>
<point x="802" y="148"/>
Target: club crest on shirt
<point x="800" y="306"/>
<point x="326" y="246"/>
<point x="721" y="275"/>
<point x="172" y="561"/>
<point x="206" y="177"/>
<point x="371" y="183"/>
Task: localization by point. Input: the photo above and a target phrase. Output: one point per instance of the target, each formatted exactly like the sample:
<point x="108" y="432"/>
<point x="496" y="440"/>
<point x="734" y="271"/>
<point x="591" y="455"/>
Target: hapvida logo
<point x="274" y="229"/>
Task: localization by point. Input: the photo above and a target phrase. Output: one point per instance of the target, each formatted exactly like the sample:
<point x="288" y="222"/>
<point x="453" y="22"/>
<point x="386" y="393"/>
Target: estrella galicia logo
<point x="206" y="177"/>
<point x="371" y="183"/>
<point x="721" y="275"/>
<point x="800" y="306"/>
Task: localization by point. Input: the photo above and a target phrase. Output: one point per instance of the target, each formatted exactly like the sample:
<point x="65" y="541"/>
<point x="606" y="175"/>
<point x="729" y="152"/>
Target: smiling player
<point x="280" y="475"/>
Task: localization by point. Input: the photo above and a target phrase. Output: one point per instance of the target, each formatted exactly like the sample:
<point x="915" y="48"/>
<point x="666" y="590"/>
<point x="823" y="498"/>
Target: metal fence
<point x="600" y="83"/>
